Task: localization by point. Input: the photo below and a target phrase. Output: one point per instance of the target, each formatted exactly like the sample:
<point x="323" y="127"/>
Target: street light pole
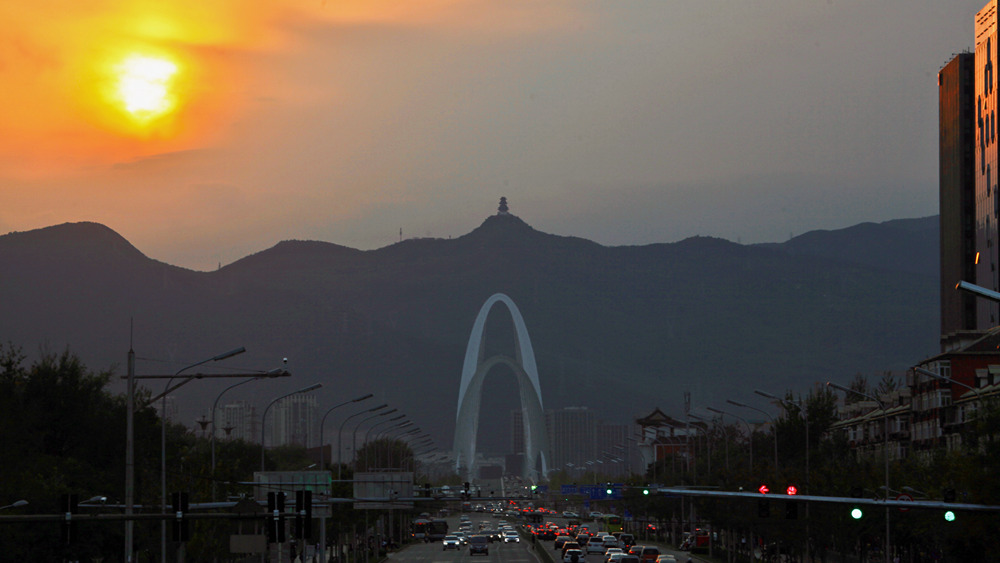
<point x="354" y="436"/>
<point x="803" y="408"/>
<point x="215" y="406"/>
<point x="340" y="433"/>
<point x="774" y="428"/>
<point x="747" y="423"/>
<point x="163" y="440"/>
<point x="323" y="423"/>
<point x="885" y="452"/>
<point x="263" y="417"/>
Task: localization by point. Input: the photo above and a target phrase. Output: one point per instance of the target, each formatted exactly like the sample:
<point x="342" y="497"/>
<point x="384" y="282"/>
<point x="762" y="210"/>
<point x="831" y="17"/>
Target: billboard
<point x="383" y="490"/>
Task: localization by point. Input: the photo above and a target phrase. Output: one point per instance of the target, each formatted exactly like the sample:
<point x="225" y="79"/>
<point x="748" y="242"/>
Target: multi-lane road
<point x="433" y="553"/>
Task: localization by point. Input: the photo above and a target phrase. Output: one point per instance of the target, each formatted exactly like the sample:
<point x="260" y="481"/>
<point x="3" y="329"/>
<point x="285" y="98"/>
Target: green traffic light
<point x="609" y="491"/>
<point x="856" y="513"/>
<point x="645" y="491"/>
<point x="533" y="487"/>
<point x="949" y="516"/>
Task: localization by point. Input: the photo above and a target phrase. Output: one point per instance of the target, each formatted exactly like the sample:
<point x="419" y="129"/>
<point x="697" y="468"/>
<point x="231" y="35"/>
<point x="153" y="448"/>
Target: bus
<point x="612" y="523"/>
<point x="418" y="529"/>
<point x="437" y="529"/>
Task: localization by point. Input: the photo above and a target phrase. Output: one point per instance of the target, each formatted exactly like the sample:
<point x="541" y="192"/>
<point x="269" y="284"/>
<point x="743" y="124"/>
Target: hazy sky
<point x="621" y="121"/>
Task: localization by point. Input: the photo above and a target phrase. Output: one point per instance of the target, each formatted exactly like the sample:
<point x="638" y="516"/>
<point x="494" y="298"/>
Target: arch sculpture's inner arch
<point x="474" y="370"/>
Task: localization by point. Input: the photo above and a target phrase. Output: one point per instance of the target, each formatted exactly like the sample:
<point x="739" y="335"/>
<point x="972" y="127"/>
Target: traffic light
<point x="608" y="489"/>
<point x="791" y="510"/>
<point x="645" y="491"/>
<point x="857" y="513"/>
<point x="69" y="505"/>
<point x="303" y="515"/>
<point x="791" y="490"/>
<point x="763" y="508"/>
<point x="949" y="516"/>
<point x="181" y="527"/>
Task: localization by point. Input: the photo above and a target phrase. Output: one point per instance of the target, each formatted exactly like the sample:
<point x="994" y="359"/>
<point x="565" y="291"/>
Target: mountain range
<point x="621" y="330"/>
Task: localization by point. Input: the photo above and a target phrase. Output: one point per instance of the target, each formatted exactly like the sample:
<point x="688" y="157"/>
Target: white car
<point x="611" y="551"/>
<point x="610" y="541"/>
<point x="451" y="542"/>
<point x="595" y="515"/>
<point x="574" y="556"/>
<point x="595" y="545"/>
<point x="510" y="536"/>
<point x="570" y="514"/>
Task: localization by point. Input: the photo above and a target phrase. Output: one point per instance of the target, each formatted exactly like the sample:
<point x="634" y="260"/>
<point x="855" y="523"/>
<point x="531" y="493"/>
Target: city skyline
<point x="360" y="124"/>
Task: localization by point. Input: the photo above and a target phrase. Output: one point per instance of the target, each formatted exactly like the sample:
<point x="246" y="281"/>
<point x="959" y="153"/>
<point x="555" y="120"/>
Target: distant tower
<point x="503" y="207"/>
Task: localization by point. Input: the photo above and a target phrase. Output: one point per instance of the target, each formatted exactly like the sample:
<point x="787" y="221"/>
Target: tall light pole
<point x="935" y="375"/>
<point x="885" y="452"/>
<point x="726" y="434"/>
<point x="322" y="422"/>
<point x="340" y="434"/>
<point x="354" y="436"/>
<point x="747" y="423"/>
<point x="163" y="439"/>
<point x="263" y="417"/>
<point x="368" y="435"/>
<point x="215" y="406"/>
<point x="804" y="410"/>
<point x="774" y="428"/>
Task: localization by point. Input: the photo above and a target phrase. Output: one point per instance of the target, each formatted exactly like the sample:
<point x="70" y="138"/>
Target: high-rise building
<point x="957" y="194"/>
<point x="237" y="421"/>
<point x="572" y="433"/>
<point x="295" y="422"/>
<point x="969" y="203"/>
<point x="986" y="172"/>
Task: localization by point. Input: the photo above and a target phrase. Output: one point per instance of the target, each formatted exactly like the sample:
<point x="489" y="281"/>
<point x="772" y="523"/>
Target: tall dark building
<point x="985" y="169"/>
<point x="957" y="161"/>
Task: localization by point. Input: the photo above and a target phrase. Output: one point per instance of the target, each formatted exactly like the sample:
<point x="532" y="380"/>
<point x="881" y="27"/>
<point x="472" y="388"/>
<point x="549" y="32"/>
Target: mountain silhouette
<point x="619" y="329"/>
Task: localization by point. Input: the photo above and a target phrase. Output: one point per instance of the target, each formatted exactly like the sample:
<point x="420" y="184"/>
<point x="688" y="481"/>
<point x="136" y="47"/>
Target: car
<point x="628" y="559"/>
<point x="610" y="541"/>
<point x="649" y="554"/>
<point x="611" y="551"/>
<point x="596" y="545"/>
<point x="560" y="540"/>
<point x="570" y="514"/>
<point x="574" y="556"/>
<point x="451" y="542"/>
<point x="595" y="515"/>
<point x="479" y="544"/>
<point x="462" y="538"/>
<point x="570" y="545"/>
<point x="617" y="557"/>
<point x="510" y="536"/>
<point x="626" y="540"/>
<point x="666" y="559"/>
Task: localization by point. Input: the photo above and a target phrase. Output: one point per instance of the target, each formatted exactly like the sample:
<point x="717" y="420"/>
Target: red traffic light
<point x="763" y="489"/>
<point x="792" y="490"/>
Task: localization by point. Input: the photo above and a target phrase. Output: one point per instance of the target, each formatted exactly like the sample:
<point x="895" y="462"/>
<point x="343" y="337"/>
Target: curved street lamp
<point x="774" y="428"/>
<point x="263" y="417"/>
<point x="354" y="436"/>
<point x="323" y="422"/>
<point x="747" y="423"/>
<point x="163" y="438"/>
<point x="340" y="433"/>
<point x="277" y="372"/>
<point x="803" y="410"/>
<point x="15" y="504"/>
<point x="885" y="451"/>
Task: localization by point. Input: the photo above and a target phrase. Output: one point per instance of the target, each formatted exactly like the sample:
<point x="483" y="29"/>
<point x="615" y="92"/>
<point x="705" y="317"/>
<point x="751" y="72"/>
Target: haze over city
<point x="204" y="133"/>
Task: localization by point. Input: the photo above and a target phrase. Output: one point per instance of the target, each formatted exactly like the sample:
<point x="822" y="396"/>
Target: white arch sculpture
<point x="470" y="394"/>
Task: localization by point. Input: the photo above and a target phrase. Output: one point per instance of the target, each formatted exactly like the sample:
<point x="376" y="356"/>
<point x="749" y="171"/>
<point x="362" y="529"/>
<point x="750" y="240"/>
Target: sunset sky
<point x="203" y="131"/>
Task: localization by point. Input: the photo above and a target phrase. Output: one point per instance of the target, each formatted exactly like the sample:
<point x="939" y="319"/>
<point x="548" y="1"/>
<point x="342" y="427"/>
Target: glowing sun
<point x="144" y="86"/>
